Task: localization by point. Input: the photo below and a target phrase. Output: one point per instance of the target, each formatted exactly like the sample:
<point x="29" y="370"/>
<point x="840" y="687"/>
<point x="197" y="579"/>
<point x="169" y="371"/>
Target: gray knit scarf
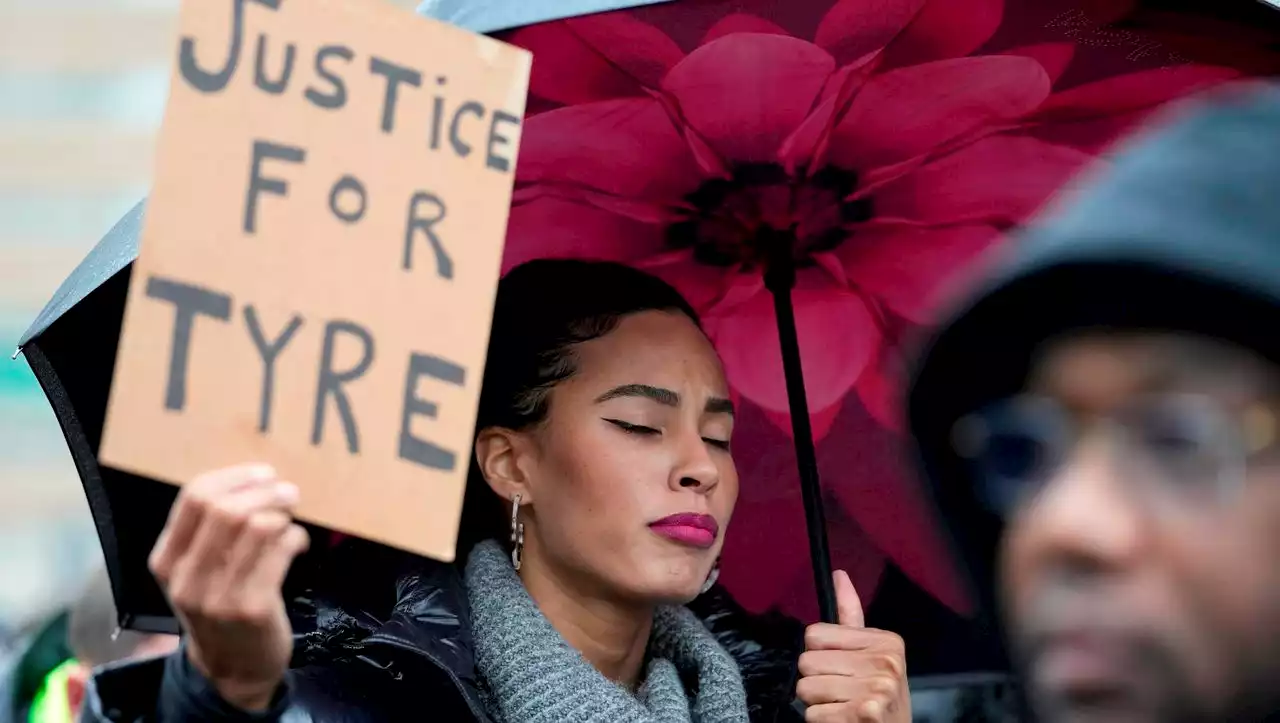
<point x="530" y="674"/>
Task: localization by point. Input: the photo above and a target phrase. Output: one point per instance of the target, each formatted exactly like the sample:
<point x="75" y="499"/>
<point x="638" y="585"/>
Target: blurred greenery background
<point x="82" y="92"/>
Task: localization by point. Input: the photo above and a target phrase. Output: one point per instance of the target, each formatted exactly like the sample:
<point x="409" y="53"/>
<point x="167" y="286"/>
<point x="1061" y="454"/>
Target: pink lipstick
<point x="689" y="529"/>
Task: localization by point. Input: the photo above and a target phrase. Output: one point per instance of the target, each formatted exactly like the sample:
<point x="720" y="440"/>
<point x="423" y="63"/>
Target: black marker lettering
<point x="437" y="114"/>
<point x="412" y="448"/>
<point x="353" y="185"/>
<point x="395" y="75"/>
<point x="258" y="184"/>
<point x="493" y="160"/>
<point x="213" y="82"/>
<point x="278" y="86"/>
<point x="331" y="381"/>
<point x="444" y="264"/>
<point x="268" y="351"/>
<point x="188" y="301"/>
<point x="338" y="96"/>
<point x="470" y="107"/>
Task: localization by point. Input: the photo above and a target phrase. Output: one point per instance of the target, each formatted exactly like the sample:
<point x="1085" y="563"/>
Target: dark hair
<point x="544" y="308"/>
<point x="93" y="632"/>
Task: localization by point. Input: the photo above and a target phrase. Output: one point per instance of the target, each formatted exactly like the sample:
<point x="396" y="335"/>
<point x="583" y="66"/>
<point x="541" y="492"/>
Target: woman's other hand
<point x="221" y="561"/>
<point x="850" y="673"/>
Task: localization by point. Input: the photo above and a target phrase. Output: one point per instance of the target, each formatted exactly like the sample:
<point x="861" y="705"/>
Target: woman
<point x="602" y="486"/>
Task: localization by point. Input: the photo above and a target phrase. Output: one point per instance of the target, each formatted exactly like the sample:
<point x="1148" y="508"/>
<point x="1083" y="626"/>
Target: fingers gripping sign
<point x="850" y="673"/>
<point x="221" y="560"/>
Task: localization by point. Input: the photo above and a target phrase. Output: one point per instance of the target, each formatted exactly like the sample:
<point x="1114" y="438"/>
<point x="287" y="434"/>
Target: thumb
<point x="848" y="604"/>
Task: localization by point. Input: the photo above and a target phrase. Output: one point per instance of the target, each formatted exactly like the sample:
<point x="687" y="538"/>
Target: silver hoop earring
<point x="517" y="533"/>
<point x="711" y="578"/>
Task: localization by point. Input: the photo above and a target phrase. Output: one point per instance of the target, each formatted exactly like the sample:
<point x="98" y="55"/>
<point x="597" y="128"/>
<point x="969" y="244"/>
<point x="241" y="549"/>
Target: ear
<point x="502" y="455"/>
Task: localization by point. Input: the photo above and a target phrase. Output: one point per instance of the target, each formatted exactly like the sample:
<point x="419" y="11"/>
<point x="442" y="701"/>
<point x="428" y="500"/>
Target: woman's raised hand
<point x="221" y="561"/>
<point x="851" y="673"/>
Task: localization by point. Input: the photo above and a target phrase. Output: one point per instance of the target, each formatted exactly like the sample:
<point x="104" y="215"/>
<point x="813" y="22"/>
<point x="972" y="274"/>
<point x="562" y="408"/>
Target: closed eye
<point x="630" y="428"/>
<point x="717" y="443"/>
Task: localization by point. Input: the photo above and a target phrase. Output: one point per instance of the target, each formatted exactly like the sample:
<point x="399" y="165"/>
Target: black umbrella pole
<point x="780" y="279"/>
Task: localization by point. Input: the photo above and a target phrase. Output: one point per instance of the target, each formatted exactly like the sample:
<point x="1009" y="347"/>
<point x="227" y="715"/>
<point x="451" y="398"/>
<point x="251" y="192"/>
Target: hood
<point x="1180" y="231"/>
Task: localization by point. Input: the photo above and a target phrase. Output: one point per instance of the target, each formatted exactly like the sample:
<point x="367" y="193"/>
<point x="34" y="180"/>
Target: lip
<point x="1081" y="663"/>
<point x="688" y="528"/>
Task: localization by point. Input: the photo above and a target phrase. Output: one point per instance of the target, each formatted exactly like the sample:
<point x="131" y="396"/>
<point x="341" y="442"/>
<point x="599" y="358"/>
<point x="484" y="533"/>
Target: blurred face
<point x="1142" y="481"/>
<point x="629" y="482"/>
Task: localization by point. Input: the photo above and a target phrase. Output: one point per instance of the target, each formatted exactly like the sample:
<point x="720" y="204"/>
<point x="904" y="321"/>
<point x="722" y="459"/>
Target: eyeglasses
<point x="1188" y="447"/>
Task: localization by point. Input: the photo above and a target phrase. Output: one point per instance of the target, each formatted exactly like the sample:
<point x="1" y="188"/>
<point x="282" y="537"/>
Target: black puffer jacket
<point x="357" y="659"/>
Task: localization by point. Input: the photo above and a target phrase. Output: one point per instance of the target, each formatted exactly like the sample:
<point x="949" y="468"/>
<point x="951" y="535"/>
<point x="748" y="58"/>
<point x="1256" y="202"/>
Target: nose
<point x="694" y="467"/>
<point x="1082" y="523"/>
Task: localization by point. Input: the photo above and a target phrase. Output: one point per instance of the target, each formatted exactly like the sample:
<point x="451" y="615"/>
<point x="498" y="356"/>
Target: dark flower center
<point x="742" y="219"/>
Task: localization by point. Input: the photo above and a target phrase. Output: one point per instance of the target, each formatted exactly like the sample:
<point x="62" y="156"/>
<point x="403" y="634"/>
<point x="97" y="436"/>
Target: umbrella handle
<point x="780" y="279"/>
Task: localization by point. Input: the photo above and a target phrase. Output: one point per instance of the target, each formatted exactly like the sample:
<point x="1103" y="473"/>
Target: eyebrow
<point x="665" y="397"/>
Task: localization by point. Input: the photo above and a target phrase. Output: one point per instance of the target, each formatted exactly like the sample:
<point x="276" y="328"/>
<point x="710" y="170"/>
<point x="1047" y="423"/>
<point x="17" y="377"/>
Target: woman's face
<point x="630" y="481"/>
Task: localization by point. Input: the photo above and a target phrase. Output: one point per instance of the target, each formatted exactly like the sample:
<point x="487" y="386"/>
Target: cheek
<point x="1231" y="558"/>
<point x="598" y="479"/>
<point x="1226" y="588"/>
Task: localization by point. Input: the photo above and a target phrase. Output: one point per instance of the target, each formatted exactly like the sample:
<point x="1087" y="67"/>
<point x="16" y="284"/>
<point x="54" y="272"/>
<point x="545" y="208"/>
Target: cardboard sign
<point x="319" y="260"/>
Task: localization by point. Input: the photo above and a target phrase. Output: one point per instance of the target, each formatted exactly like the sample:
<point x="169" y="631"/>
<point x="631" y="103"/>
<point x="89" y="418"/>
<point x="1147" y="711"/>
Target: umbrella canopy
<point x="878" y="149"/>
<point x="873" y="149"/>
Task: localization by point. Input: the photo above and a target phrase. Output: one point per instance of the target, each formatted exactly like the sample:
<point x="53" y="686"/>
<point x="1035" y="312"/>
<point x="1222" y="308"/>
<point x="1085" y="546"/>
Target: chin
<point x="666" y="590"/>
<point x="1102" y="708"/>
<point x="670" y="594"/>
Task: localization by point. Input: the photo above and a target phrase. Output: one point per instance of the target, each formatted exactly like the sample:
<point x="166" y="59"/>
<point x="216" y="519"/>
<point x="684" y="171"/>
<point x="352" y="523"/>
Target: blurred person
<point x="601" y="488"/>
<point x="95" y="639"/>
<point x="1101" y="426"/>
<point x="62" y="658"/>
<point x="39" y="650"/>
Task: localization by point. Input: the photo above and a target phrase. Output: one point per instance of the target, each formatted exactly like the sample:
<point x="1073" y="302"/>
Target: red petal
<point x="1054" y="57"/>
<point x="808" y="145"/>
<point x="766" y="555"/>
<point x="703" y="286"/>
<point x="1132" y="91"/>
<point x="945" y="29"/>
<point x="608" y="55"/>
<point x="745" y="93"/>
<point x="766" y="551"/>
<point x="854" y="28"/>
<point x="905" y="113"/>
<point x="862" y="467"/>
<point x="820" y="421"/>
<point x="837" y="338"/>
<point x="1105" y="12"/>
<point x="741" y="23"/>
<point x="911" y="269"/>
<point x="558" y="228"/>
<point x="998" y="180"/>
<point x="765" y="546"/>
<point x="853" y="551"/>
<point x="625" y="147"/>
<point x="1091" y="135"/>
<point x="881" y="390"/>
<point x="897" y="516"/>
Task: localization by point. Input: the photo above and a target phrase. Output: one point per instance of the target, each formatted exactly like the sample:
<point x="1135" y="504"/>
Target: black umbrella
<point x="71" y="347"/>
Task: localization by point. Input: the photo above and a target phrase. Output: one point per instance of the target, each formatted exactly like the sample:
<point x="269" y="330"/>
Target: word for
<point x="348" y="201"/>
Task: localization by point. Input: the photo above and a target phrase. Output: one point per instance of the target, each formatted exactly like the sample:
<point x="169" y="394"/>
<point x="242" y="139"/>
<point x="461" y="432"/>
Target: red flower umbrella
<point x="825" y="168"/>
